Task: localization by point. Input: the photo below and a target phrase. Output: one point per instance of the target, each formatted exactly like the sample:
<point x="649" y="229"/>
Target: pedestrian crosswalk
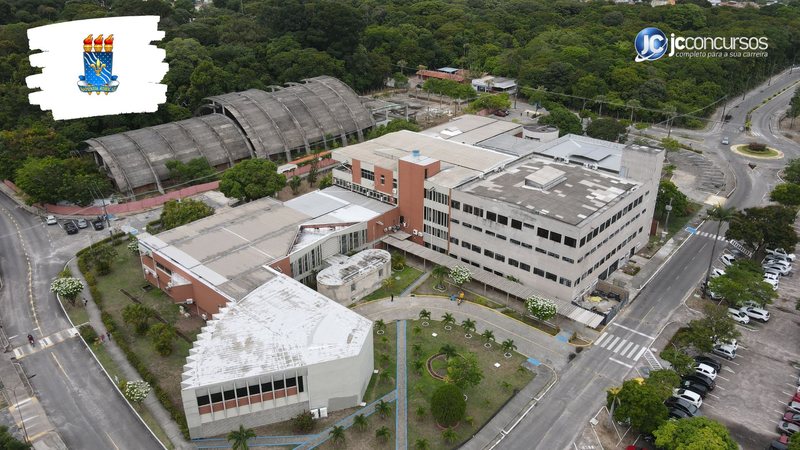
<point x="711" y="235"/>
<point x="620" y="347"/>
<point x="45" y="342"/>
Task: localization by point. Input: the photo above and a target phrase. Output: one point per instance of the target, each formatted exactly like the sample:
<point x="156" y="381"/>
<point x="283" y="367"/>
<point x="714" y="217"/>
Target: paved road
<point x="567" y="408"/>
<point x="79" y="400"/>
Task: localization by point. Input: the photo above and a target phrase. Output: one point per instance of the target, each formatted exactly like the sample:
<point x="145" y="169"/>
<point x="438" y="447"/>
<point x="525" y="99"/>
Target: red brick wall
<point x="388" y="219"/>
<point x="411" y="181"/>
<point x="386" y="187"/>
<point x="206" y="299"/>
<point x="356" y="167"/>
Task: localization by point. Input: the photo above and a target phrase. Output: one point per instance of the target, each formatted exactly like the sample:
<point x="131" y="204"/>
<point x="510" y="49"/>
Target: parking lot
<point x="753" y="390"/>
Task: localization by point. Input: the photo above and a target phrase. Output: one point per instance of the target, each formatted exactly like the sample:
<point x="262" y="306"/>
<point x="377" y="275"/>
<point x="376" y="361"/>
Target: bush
<point x="90" y="279"/>
<point x="303" y="422"/>
<point x="162" y="336"/>
<point x="88" y="333"/>
<point x="448" y="405"/>
<point x="757" y="147"/>
<point x="66" y="273"/>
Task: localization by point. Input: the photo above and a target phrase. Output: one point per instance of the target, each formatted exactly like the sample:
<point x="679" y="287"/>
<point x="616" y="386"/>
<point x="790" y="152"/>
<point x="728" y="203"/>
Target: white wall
<point x="342" y="380"/>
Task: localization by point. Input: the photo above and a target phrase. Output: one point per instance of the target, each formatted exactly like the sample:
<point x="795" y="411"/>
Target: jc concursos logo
<point x="651" y="44"/>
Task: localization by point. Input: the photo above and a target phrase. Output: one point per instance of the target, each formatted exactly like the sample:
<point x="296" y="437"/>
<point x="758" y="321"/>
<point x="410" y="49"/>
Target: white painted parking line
<point x="620" y="362"/>
<point x="787" y="394"/>
<point x="734" y="363"/>
<point x="722" y="378"/>
<point x="614" y="342"/>
<point x="791" y="385"/>
<point x="779" y="412"/>
<point x="714" y="395"/>
<point x="721" y="388"/>
<point x="633" y="331"/>
<point x="782" y="402"/>
<point x="624" y="349"/>
<point x="600" y="339"/>
<point x="742" y="347"/>
<point x="729" y="369"/>
<point x="633" y="350"/>
<point x="709" y="406"/>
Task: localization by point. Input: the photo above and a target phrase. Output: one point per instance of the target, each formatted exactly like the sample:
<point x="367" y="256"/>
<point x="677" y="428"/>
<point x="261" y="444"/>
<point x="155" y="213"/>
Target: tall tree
<point x="641" y="404"/>
<point x="787" y="194"/>
<point x="764" y="227"/>
<point x="564" y="120"/>
<point x="607" y="129"/>
<point x="720" y="215"/>
<point x="668" y="193"/>
<point x="252" y="179"/>
<point x="464" y="371"/>
<point x="743" y="282"/>
<point x="716" y="326"/>
<point x="239" y="438"/>
<point x="695" y="432"/>
<point x="177" y="213"/>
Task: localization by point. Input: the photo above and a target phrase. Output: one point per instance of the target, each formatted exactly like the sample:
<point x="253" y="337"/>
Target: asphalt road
<point x="561" y="415"/>
<point x="79" y="399"/>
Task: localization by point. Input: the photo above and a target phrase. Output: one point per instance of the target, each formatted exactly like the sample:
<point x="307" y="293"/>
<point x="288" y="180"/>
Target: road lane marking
<point x="60" y="367"/>
<point x="633" y="350"/>
<point x="621" y="344"/>
<point x="633" y="331"/>
<point x="112" y="441"/>
<point x="613" y="343"/>
<point x="600" y="339"/>
<point x="639" y="355"/>
<point x="620" y="362"/>
<point x="625" y="350"/>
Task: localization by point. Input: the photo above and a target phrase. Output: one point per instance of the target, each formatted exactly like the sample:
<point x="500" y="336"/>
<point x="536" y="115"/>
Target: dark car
<point x="677" y="413"/>
<point x="70" y="228"/>
<point x="98" y="224"/>
<point x="709" y="361"/>
<point x="501" y="112"/>
<point x="679" y="403"/>
<point x="782" y="443"/>
<point x="701" y="379"/>
<point x="700" y="388"/>
<point x="792" y="417"/>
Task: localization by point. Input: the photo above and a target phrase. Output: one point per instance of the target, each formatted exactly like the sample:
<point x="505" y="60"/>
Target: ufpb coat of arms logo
<point x="98" y="62"/>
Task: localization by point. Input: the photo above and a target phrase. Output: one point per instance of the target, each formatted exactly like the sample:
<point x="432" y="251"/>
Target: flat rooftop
<point x="343" y="269"/>
<point x="279" y="326"/>
<point x="472" y="129"/>
<point x="386" y="150"/>
<point x="230" y="249"/>
<point x="564" y="192"/>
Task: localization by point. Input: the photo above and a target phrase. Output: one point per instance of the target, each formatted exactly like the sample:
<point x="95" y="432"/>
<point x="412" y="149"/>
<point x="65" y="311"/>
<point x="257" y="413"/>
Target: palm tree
<point x="380" y="324"/>
<point x="439" y="273"/>
<point x="398" y="261"/>
<point x="468" y="325"/>
<point x="383" y="434"/>
<point x="720" y="215"/>
<point x="600" y="99"/>
<point x="488" y="335"/>
<point x="360" y="422"/>
<point x="388" y="284"/>
<point x="418" y="365"/>
<point x="422" y="444"/>
<point x="508" y="345"/>
<point x="416" y="330"/>
<point x="633" y="104"/>
<point x="425" y="314"/>
<point x="448" y="351"/>
<point x="238" y="438"/>
<point x="337" y="435"/>
<point x="417" y="349"/>
<point x="383" y="358"/>
<point x="383" y="409"/>
<point x="449" y="435"/>
<point x="448" y="319"/>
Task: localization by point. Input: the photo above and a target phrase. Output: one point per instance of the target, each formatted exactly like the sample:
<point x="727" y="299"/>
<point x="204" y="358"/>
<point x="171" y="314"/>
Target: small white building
<point x="491" y="83"/>
<point x="281" y="350"/>
<point x="349" y="279"/>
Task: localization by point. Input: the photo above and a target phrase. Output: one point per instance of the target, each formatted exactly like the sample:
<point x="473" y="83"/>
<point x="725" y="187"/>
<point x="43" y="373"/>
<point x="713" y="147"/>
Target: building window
<point x="476" y="249"/>
<point x="367" y="174"/>
<point x="499" y="257"/>
<point x="528" y="246"/>
<point x="551" y="276"/>
<point x="555" y="237"/>
<point x="241" y="392"/>
<point x="229" y="394"/>
<point x="394" y="185"/>
<point x="164" y="268"/>
<point x="537" y="271"/>
<point x="513" y="262"/>
<point x="216" y="397"/>
<point x="527" y="225"/>
<point x="516" y="224"/>
<point x="541" y="250"/>
<point x="524" y="267"/>
<point x="542" y="232"/>
<point x="455" y="204"/>
<point x="353" y="287"/>
<point x="488" y="253"/>
<point x="467" y="208"/>
<point x="501" y="237"/>
<point x="502" y="220"/>
<point x="426" y="173"/>
<point x="383" y="180"/>
<point x="569" y="260"/>
<point x="491" y="216"/>
<point x="203" y="400"/>
<point x="569" y="241"/>
<point x="565" y="282"/>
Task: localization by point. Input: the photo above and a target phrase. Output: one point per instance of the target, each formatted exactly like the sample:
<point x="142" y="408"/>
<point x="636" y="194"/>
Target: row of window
<point x="518" y="264"/>
<point x="253" y="389"/>
<point x="433" y="231"/>
<point x="380" y="196"/>
<point x="609" y="255"/>
<point x="611" y="220"/>
<point x="435" y="216"/>
<point x="436" y="196"/>
<point x="164" y="268"/>
<point x="517" y="225"/>
<point x="367" y="175"/>
<point x="307" y="262"/>
<point x="610" y="236"/>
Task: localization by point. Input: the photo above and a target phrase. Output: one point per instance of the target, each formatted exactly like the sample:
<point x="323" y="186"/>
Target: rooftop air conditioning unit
<point x="323" y="412"/>
<point x="315" y="413"/>
<point x="386" y="230"/>
<point x="415" y="232"/>
<point x="189" y="301"/>
<point x="394" y="191"/>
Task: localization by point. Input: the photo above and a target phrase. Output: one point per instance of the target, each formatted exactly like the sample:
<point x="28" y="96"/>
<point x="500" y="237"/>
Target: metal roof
<point x="518" y="290"/>
<point x="296" y="116"/>
<point x="138" y="158"/>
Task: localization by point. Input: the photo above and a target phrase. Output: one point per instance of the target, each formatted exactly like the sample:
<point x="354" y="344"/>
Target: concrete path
<point x="401" y="413"/>
<point x="151" y="402"/>
<point x="530" y="342"/>
<point x="411" y="287"/>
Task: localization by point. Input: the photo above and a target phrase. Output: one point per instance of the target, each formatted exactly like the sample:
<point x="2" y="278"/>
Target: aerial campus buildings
<point x="530" y="214"/>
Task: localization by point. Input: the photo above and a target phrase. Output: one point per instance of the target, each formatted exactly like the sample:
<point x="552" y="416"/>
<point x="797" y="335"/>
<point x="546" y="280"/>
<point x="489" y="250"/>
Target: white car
<point x="772" y="273"/>
<point x="782" y="253"/>
<point x="51" y="220"/>
<point x="727" y="259"/>
<point x="716" y="272"/>
<point x="705" y="369"/>
<point x="690" y="396"/>
<point x="726" y="351"/>
<point x="793" y="407"/>
<point x="772" y="259"/>
<point x="772" y="282"/>
<point x="732" y="343"/>
<point x="756" y="313"/>
<point x="780" y="268"/>
<point x="738" y="316"/>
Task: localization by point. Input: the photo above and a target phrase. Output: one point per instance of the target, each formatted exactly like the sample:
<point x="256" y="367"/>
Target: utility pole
<point x="19" y="410"/>
<point x="668" y="209"/>
<point x="723" y="110"/>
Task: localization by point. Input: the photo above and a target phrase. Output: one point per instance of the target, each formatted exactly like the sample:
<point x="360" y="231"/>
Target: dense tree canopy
<point x="694" y="433"/>
<point x="668" y="193"/>
<point x="642" y="404"/>
<point x="743" y="282"/>
<point x="177" y="213"/>
<point x="767" y="227"/>
<point x="252" y="179"/>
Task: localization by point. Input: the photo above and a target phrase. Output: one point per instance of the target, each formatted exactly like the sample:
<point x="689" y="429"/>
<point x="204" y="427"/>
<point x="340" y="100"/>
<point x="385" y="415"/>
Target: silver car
<point x="756" y="313"/>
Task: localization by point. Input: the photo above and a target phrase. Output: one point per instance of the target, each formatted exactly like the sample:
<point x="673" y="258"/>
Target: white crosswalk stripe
<point x="626" y="348"/>
<point x="613" y="342"/>
<point x="633" y="350"/>
<point x="622" y="347"/>
<point x="600" y="339"/>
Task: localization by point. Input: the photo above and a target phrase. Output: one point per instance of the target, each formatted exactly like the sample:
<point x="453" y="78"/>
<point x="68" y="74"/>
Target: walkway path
<point x="414" y="285"/>
<point x="401" y="416"/>
<point x="530" y="342"/>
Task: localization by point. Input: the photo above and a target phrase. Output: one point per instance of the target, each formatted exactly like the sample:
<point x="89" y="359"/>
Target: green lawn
<point x="428" y="288"/>
<point x="402" y="280"/>
<point x="356" y="439"/>
<point x="77" y="314"/>
<point x="385" y="350"/>
<point x="127" y="274"/>
<point x="483" y="400"/>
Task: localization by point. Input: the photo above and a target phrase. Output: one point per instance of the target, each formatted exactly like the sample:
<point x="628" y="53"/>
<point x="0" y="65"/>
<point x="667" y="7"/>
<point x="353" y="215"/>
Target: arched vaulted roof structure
<point x="236" y="126"/>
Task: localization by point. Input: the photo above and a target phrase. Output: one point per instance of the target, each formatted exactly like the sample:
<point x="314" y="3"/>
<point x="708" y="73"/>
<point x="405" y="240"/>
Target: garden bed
<point x="385" y="350"/>
<point x="402" y="280"/>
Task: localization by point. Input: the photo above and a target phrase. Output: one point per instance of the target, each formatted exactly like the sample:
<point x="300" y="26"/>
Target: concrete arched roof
<point x="296" y="116"/>
<point x="138" y="158"/>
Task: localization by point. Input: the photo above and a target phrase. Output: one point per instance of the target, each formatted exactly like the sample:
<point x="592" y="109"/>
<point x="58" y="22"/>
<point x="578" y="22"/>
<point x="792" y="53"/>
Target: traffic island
<point x="757" y="150"/>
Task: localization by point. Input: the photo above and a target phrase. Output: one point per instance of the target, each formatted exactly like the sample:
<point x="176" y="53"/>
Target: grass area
<point x="385" y="346"/>
<point x="402" y="279"/>
<point x="356" y="439"/>
<point x="547" y="328"/>
<point x="769" y="152"/>
<point x="483" y="401"/>
<point x="77" y="314"/>
<point x="116" y="374"/>
<point x="428" y="288"/>
<point x="127" y="274"/>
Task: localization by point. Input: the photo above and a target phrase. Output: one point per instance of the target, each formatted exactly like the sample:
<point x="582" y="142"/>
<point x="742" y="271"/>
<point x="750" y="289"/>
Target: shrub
<point x="162" y="336"/>
<point x="66" y="273"/>
<point x="88" y="333"/>
<point x="460" y="275"/>
<point x="303" y="422"/>
<point x="757" y="147"/>
<point x="448" y="405"/>
<point x="68" y="288"/>
<point x="90" y="279"/>
<point x="541" y="308"/>
<point x="136" y="391"/>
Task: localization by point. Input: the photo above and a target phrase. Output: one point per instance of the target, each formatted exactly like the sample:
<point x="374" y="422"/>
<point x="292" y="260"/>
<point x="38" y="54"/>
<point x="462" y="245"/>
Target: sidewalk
<point x="151" y="402"/>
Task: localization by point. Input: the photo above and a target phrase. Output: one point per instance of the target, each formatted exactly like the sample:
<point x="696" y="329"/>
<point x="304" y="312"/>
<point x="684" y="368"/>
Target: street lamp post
<point x="668" y="209"/>
<point x="21" y="420"/>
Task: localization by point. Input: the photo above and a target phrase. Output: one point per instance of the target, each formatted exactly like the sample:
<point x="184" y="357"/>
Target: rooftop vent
<point x="415" y="154"/>
<point x="545" y="178"/>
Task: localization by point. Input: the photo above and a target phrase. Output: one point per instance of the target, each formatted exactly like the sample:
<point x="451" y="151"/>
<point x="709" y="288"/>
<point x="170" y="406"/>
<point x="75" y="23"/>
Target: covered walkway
<point x="512" y="289"/>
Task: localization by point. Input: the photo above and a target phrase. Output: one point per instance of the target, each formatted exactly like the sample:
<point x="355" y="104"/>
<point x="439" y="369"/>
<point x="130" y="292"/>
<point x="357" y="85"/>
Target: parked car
<point x="792" y="417"/>
<point x="772" y="282"/>
<point x="82" y="223"/>
<point x="727" y="259"/>
<point x="738" y="316"/>
<point x="782" y="443"/>
<point x="70" y="228"/>
<point x="733" y="342"/>
<point x="793" y="407"/>
<point x="706" y="370"/>
<point x="756" y="313"/>
<point x="677" y="413"/>
<point x="788" y="427"/>
<point x="701" y="379"/>
<point x="699" y="388"/>
<point x="716" y="272"/>
<point x="773" y="272"/>
<point x="51" y="220"/>
<point x="689" y="396"/>
<point x="775" y="276"/>
<point x="678" y="403"/>
<point x="501" y="112"/>
<point x="725" y="140"/>
<point x="782" y="253"/>
<point x="714" y="295"/>
<point x="782" y="270"/>
<point x="774" y="259"/>
<point x="709" y="361"/>
<point x="726" y="351"/>
<point x="98" y="224"/>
